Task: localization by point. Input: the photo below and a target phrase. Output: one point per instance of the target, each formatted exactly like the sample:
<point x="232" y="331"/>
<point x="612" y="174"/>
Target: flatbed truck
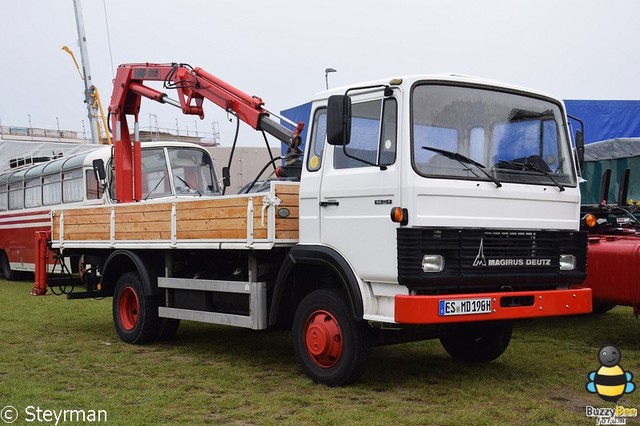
<point x="432" y="206"/>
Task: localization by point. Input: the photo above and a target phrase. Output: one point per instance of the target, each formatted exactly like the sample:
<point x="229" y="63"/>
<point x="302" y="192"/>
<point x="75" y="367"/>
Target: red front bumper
<point x="426" y="309"/>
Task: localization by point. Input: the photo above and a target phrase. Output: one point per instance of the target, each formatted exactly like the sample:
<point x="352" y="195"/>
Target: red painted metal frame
<point x="424" y="309"/>
<point x="42" y="239"/>
<point x="192" y="86"/>
<point x="613" y="271"/>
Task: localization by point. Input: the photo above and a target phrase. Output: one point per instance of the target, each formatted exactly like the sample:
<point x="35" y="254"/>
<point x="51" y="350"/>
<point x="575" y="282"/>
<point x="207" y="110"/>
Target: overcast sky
<point x="278" y="50"/>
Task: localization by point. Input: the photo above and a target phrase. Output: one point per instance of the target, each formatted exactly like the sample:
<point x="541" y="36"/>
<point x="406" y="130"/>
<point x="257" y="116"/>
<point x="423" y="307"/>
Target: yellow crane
<point x="96" y="103"/>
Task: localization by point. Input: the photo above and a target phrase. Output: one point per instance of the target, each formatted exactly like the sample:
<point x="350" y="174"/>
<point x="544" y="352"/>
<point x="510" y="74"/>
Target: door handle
<point x="329" y="203"/>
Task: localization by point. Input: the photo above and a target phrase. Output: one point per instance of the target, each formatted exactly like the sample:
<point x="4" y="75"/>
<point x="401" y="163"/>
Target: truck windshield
<point x="507" y="137"/>
<point x="191" y="172"/>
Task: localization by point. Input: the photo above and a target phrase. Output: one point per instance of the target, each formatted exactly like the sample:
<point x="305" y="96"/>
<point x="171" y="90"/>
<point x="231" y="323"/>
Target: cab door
<point x="359" y="186"/>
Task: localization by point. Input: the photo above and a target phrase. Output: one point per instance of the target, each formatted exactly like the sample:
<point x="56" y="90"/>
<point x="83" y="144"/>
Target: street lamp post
<point x="326" y="76"/>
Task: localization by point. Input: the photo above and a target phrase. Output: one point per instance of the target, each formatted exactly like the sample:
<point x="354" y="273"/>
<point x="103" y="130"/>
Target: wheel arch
<point x="122" y="261"/>
<point x="289" y="289"/>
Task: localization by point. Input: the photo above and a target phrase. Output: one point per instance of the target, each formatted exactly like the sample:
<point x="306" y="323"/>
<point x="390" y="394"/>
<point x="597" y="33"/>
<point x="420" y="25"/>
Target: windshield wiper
<point x="189" y="186"/>
<point x="464" y="160"/>
<point x="529" y="166"/>
<point x="154" y="188"/>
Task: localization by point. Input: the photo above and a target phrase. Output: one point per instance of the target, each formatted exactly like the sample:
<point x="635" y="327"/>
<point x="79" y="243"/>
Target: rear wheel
<point x="9" y="274"/>
<point x="481" y="343"/>
<point x="135" y="315"/>
<point x="330" y="345"/>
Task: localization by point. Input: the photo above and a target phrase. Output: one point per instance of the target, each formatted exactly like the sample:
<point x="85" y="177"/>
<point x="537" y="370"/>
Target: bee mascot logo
<point x="610" y="381"/>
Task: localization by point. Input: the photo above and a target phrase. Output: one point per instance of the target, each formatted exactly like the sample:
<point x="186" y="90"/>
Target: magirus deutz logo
<point x="482" y="262"/>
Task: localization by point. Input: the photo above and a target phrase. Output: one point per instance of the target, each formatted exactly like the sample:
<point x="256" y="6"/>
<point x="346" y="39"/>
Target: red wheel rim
<point x="128" y="308"/>
<point x="323" y="339"/>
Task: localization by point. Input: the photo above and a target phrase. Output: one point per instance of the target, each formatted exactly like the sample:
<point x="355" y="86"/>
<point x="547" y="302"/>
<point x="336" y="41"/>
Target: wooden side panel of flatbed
<point x="287" y="228"/>
<point x="260" y="217"/>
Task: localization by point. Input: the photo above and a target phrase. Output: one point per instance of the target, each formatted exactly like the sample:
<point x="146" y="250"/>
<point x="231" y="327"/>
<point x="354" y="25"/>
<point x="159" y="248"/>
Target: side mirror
<point x="580" y="147"/>
<point x="226" y="177"/>
<point x="98" y="169"/>
<point x="339" y="120"/>
<point x="100" y="173"/>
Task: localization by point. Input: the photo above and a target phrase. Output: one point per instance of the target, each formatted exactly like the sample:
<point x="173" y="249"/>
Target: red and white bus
<point x="27" y="194"/>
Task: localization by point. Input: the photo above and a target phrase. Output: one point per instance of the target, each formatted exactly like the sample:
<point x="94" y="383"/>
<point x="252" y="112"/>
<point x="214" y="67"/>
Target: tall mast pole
<point x="86" y="72"/>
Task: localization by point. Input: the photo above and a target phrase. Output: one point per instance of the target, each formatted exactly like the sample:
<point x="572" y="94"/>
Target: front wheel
<point x="478" y="343"/>
<point x="330" y="344"/>
<point x="135" y="315"/>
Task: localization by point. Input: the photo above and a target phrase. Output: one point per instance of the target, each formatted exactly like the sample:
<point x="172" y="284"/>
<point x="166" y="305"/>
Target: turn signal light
<point x="590" y="220"/>
<point x="400" y="215"/>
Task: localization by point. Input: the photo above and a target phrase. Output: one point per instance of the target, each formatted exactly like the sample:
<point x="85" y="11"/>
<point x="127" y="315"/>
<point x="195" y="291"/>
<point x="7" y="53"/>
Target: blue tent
<point x="606" y="119"/>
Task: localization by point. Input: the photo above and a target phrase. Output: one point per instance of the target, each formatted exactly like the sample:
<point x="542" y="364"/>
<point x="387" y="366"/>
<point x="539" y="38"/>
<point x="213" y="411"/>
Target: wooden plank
<point x="287" y="235"/>
<point x="86" y="236"/>
<point x="240" y="201"/>
<point x="287" y="189"/>
<point x="143" y="227"/>
<point x="133" y="217"/>
<point x="218" y="234"/>
<point x="207" y="213"/>
<point x="88" y="228"/>
<point x="206" y="224"/>
<point x="72" y="217"/>
<point x="143" y="208"/>
<point x="288" y="199"/>
<point x="146" y="236"/>
<point x="287" y="224"/>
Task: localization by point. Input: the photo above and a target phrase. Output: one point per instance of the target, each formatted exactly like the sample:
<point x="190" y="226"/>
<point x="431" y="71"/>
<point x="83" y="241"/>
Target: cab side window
<point x="373" y="136"/>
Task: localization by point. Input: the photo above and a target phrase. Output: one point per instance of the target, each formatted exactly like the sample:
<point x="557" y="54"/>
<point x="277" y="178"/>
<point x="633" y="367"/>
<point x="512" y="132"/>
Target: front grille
<point x="489" y="258"/>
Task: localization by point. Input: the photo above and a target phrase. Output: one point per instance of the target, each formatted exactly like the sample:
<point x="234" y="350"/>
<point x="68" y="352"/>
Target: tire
<point x="482" y="343"/>
<point x="9" y="274"/>
<point x="135" y="315"/>
<point x="330" y="345"/>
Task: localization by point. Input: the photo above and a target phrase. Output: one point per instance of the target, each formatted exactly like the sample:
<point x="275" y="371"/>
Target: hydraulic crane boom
<point x="193" y="85"/>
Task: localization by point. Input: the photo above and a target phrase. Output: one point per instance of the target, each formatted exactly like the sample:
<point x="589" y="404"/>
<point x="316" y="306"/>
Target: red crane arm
<point x="193" y="85"/>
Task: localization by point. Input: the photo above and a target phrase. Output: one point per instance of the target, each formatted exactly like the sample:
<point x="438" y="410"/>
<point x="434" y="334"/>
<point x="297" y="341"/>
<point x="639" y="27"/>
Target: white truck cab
<point x="480" y="177"/>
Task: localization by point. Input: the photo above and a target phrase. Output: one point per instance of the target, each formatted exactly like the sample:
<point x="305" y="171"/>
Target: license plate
<point x="464" y="307"/>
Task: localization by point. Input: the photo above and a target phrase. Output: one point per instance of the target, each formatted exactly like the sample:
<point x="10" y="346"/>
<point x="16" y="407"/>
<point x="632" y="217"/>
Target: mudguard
<point x="114" y="267"/>
<point x="317" y="255"/>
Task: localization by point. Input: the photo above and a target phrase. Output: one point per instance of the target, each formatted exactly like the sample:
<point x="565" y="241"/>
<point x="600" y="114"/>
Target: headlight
<point x="567" y="262"/>
<point x="432" y="263"/>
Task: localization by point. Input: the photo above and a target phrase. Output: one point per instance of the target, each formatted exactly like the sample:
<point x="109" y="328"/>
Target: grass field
<point x="64" y="355"/>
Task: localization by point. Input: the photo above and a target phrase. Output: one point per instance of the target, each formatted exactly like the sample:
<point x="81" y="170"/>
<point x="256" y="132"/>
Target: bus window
<point x="3" y="198"/>
<point x="16" y="195"/>
<point x="32" y="193"/>
<point x="72" y="186"/>
<point x="51" y="190"/>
